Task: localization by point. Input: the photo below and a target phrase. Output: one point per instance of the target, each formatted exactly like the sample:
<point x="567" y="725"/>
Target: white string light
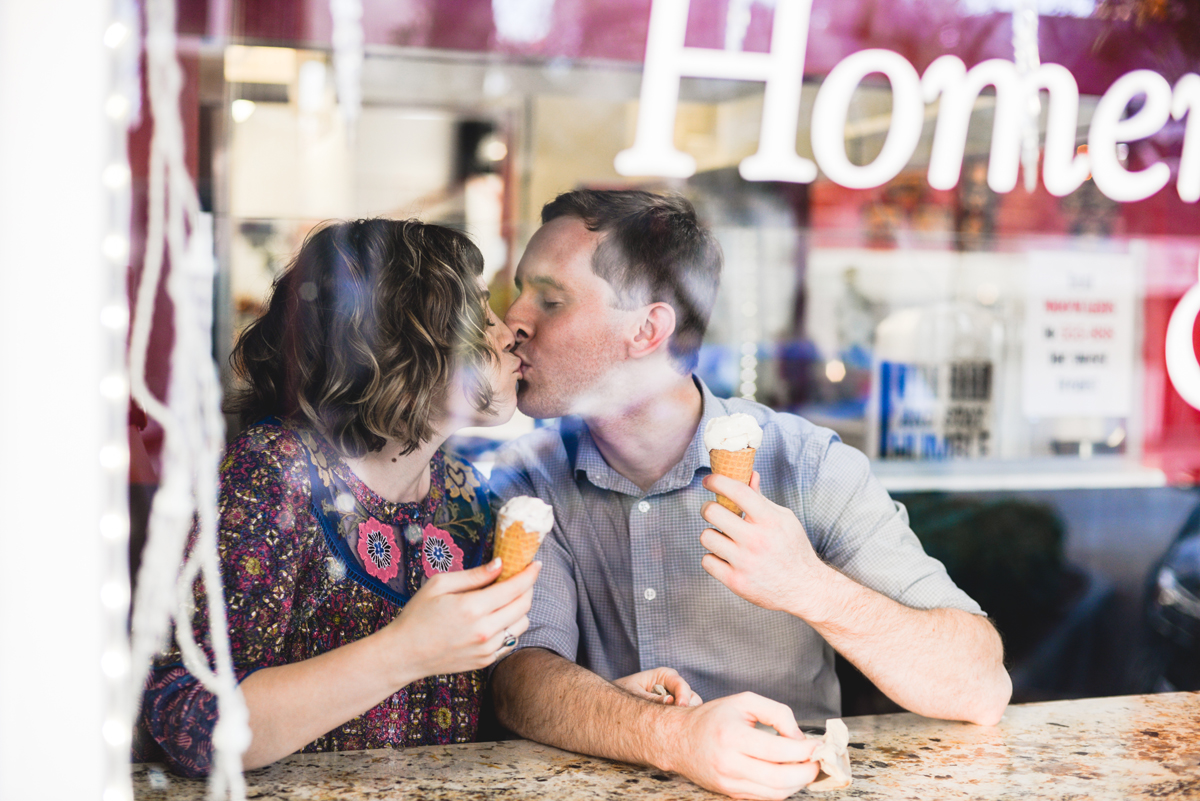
<point x="193" y="429"/>
<point x="749" y="322"/>
<point x="348" y="59"/>
<point x="122" y="108"/>
<point x="737" y="22"/>
<point x="1028" y="58"/>
<point x="522" y="21"/>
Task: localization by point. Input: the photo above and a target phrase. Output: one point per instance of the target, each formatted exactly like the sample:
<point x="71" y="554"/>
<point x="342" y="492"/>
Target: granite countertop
<point x="1145" y="746"/>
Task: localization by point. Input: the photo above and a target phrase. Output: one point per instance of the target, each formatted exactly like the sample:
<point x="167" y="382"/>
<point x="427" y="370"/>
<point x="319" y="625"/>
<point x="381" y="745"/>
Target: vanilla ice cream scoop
<point x="533" y="513"/>
<point x="731" y="442"/>
<point x="733" y="432"/>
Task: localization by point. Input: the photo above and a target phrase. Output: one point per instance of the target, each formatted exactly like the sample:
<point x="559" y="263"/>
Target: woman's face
<point x="501" y="374"/>
<point x="505" y="371"/>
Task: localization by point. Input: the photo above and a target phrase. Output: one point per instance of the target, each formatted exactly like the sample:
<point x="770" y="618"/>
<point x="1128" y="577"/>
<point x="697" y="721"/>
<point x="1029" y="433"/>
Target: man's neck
<point x="649" y="437"/>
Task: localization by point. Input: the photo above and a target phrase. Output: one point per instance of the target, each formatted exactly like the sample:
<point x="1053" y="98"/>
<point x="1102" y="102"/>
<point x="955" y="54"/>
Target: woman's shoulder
<point x="267" y="437"/>
<point x="265" y="449"/>
<point x="265" y="495"/>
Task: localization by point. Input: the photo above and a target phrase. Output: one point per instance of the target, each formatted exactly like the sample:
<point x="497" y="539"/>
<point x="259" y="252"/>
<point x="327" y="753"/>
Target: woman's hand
<point x="458" y="622"/>
<point x="642" y="685"/>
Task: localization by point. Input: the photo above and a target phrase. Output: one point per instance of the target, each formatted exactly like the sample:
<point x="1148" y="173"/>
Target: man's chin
<point x="531" y="405"/>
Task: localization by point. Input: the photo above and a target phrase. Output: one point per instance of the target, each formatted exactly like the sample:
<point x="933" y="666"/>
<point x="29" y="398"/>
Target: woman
<point x="361" y="608"/>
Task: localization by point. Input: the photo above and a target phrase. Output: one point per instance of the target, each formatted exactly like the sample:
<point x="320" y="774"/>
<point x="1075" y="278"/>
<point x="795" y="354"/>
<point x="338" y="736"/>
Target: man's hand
<point x="642" y="685"/>
<point x="719" y="748"/>
<point x="765" y="558"/>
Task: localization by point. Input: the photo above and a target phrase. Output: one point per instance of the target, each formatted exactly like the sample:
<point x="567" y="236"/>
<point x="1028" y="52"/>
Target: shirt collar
<point x="589" y="461"/>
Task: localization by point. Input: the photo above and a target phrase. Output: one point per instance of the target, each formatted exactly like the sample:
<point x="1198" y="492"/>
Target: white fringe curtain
<point x="193" y="429"/>
<point x="180" y="235"/>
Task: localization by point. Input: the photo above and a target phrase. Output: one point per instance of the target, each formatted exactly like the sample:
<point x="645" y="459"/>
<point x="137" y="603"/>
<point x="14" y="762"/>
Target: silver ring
<point x="509" y="639"/>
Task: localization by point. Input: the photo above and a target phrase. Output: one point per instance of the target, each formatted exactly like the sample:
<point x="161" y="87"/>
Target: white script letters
<point x="947" y="80"/>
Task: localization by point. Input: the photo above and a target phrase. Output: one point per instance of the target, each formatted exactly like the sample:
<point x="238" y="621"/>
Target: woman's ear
<point x="655" y="326"/>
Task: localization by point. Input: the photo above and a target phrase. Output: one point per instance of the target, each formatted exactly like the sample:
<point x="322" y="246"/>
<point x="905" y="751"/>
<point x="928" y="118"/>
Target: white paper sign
<point x="1079" y="335"/>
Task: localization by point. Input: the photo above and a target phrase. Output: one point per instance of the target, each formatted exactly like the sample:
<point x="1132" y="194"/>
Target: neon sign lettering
<point x="1183" y="365"/>
<point x="947" y="78"/>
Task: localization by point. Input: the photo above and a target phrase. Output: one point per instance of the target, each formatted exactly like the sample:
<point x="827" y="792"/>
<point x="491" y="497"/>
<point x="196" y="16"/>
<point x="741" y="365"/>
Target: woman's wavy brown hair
<point x="364" y="333"/>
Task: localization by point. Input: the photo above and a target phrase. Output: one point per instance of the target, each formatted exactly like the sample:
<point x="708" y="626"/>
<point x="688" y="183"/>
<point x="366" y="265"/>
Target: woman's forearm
<point x="292" y="705"/>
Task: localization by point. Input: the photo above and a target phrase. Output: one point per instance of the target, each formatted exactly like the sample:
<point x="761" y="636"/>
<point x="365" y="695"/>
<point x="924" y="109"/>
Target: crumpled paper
<point x="834" y="757"/>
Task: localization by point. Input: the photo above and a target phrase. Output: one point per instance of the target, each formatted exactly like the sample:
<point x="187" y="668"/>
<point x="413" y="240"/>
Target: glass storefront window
<point x="961" y="336"/>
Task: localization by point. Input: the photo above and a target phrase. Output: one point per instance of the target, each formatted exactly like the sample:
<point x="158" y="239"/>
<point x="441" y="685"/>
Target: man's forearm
<point x="541" y="696"/>
<point x="941" y="663"/>
<point x="544" y="697"/>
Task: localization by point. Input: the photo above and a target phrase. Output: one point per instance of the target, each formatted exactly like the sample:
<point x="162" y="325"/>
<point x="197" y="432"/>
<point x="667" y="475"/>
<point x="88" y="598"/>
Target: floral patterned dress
<point x="312" y="559"/>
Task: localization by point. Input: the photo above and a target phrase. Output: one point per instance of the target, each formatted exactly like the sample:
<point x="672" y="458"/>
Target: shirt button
<point x="649" y="594"/>
<point x="644" y="506"/>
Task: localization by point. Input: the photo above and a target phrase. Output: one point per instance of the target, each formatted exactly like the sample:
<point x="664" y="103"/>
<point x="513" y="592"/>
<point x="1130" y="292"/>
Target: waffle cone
<point x="516" y="548"/>
<point x="738" y="465"/>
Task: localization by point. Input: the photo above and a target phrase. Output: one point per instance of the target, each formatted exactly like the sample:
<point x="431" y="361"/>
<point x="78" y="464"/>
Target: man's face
<point x="567" y="330"/>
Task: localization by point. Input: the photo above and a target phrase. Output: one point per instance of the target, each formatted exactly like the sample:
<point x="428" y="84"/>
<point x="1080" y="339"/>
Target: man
<point x="615" y="291"/>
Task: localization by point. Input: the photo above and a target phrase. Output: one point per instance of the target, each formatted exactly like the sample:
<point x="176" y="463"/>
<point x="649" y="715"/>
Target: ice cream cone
<point x="738" y="465"/>
<point x="516" y="547"/>
<point x="520" y="527"/>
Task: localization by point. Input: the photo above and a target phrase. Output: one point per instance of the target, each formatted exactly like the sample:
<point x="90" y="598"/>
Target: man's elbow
<point x="992" y="699"/>
<point x="501" y="688"/>
<point x="985" y="697"/>
<point x="994" y="691"/>
<point x="511" y="682"/>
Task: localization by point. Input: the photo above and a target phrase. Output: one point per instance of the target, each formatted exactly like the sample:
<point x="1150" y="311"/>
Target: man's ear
<point x="656" y="323"/>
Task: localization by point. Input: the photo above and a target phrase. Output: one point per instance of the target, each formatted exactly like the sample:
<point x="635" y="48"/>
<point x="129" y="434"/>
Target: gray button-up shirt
<point x="622" y="588"/>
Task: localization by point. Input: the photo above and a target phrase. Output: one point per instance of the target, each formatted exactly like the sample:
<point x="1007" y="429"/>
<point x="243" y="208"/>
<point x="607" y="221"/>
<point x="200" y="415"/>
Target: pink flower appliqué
<point x="377" y="547"/>
<point x="439" y="552"/>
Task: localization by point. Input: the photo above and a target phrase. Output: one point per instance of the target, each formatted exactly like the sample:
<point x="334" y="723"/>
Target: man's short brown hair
<point x="364" y="333"/>
<point x="653" y="250"/>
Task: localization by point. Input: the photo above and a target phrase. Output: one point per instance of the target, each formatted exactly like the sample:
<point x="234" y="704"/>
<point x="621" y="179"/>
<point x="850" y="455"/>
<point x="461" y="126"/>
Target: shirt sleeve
<point x="265" y="529"/>
<point x="857" y="528"/>
<point x="553" y="623"/>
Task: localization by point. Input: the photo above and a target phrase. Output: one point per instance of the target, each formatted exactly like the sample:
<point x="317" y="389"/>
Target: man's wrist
<point x="666" y="728"/>
<point x="815" y="597"/>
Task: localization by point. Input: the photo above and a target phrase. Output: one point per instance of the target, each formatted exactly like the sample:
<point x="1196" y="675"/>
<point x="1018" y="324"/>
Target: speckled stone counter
<point x="1104" y="748"/>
